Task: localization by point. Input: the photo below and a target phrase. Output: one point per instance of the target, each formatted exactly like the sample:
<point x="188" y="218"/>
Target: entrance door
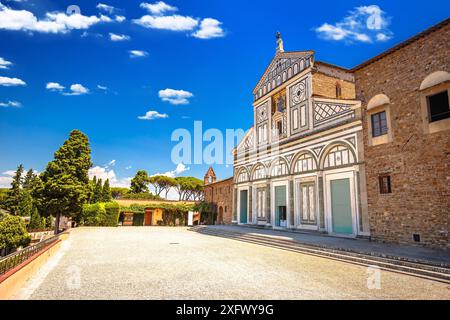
<point x="280" y="206"/>
<point x="220" y="216"/>
<point x="307" y="203"/>
<point x="148" y="218"/>
<point x="243" y="206"/>
<point x="341" y="208"/>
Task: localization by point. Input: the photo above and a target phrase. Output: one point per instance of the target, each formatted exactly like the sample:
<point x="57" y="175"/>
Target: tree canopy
<point x="66" y="180"/>
<point x="139" y="184"/>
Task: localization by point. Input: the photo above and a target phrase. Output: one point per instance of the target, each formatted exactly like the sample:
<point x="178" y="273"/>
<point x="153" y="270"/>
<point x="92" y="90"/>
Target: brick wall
<point x="419" y="163"/>
<point x="324" y="85"/>
<point x="221" y="195"/>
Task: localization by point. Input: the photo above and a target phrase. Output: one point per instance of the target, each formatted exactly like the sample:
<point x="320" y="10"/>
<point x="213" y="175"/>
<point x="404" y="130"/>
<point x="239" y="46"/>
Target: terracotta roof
<point x="403" y="44"/>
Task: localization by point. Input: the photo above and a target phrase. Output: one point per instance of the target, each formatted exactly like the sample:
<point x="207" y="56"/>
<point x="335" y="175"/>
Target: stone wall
<point x="325" y="86"/>
<point x="418" y="162"/>
<point x="221" y="195"/>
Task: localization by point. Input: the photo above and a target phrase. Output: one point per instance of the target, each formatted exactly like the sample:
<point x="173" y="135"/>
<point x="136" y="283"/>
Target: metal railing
<point x="14" y="259"/>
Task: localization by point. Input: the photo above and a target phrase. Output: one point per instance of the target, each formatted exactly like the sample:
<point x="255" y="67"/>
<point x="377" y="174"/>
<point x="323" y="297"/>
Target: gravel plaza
<point x="175" y="263"/>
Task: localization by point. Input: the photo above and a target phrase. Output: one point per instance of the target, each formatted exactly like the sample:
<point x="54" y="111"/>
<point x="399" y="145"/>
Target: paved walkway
<point x="174" y="263"/>
<point x="356" y="245"/>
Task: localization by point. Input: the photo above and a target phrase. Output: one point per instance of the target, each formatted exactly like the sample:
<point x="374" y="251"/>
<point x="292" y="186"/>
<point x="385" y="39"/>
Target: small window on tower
<point x="385" y="184"/>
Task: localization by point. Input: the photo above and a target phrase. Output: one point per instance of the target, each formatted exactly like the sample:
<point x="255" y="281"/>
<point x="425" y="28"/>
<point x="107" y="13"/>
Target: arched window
<point x="435" y="101"/>
<point x="339" y="155"/>
<point x="379" y="120"/>
<point x="259" y="172"/>
<point x="242" y="176"/>
<point x="279" y="168"/>
<point x="305" y="163"/>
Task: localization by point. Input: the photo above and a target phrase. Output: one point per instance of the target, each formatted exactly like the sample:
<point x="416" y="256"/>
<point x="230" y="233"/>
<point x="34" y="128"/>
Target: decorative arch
<point x="337" y="154"/>
<point x="304" y="161"/>
<point x="279" y="167"/>
<point x="434" y="79"/>
<point x="242" y="175"/>
<point x="259" y="171"/>
<point x="377" y="101"/>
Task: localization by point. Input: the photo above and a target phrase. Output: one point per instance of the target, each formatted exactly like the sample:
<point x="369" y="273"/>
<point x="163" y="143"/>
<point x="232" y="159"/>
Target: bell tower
<point x="210" y="176"/>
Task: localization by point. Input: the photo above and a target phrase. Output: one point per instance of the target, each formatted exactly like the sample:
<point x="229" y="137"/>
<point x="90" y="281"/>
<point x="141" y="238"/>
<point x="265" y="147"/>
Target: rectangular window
<point x="385" y="184"/>
<point x="280" y="128"/>
<point x="438" y="106"/>
<point x="295" y="120"/>
<point x="379" y="124"/>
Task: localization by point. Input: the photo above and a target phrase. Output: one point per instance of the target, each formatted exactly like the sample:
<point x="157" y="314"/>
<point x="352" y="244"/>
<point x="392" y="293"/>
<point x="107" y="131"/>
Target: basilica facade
<point x="301" y="165"/>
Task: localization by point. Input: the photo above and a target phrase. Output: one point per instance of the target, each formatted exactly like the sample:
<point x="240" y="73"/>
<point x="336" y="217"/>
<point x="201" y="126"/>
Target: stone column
<point x="268" y="204"/>
<point x="320" y="192"/>
<point x="235" y="215"/>
<point x="291" y="203"/>
<point x="250" y="204"/>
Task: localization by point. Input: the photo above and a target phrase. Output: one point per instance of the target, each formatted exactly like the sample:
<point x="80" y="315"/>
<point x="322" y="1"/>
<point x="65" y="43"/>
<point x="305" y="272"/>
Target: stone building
<point x="220" y="195"/>
<point x="301" y="165"/>
<point x="406" y="119"/>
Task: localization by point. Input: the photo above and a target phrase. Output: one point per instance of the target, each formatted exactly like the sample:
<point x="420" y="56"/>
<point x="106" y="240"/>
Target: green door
<point x="280" y="206"/>
<point x="341" y="209"/>
<point x="243" y="206"/>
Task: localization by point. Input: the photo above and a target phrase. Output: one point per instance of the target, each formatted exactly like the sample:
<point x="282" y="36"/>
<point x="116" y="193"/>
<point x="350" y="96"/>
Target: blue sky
<point x="116" y="60"/>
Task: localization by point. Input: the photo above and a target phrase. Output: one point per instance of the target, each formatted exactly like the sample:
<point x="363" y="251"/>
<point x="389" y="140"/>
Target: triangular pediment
<point x="283" y="67"/>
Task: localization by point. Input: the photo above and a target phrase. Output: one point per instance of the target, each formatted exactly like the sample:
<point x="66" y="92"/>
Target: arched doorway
<point x="220" y="216"/>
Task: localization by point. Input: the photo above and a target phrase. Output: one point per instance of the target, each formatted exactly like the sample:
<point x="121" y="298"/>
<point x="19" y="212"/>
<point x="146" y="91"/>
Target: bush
<point x="112" y="210"/>
<point x="100" y="214"/>
<point x="92" y="213"/>
<point x="13" y="233"/>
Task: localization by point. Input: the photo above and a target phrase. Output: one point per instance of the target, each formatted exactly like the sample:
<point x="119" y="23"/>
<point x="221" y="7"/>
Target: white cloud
<point x="138" y="53"/>
<point x="104" y="173"/>
<point x="55" y="86"/>
<point x="158" y="8"/>
<point x="100" y="87"/>
<point x="12" y="104"/>
<point x="54" y="22"/>
<point x="175" y="97"/>
<point x="363" y="24"/>
<point x="181" y="168"/>
<point x="120" y="18"/>
<point x="105" y="8"/>
<point x="5" y="64"/>
<point x="6" y="177"/>
<point x="152" y="115"/>
<point x="209" y="28"/>
<point x="112" y="163"/>
<point x="382" y="37"/>
<point x="173" y="23"/>
<point x="77" y="90"/>
<point x="118" y="37"/>
<point x="11" y="82"/>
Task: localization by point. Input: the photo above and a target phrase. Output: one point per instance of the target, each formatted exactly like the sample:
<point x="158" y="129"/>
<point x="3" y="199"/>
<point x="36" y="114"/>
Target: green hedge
<point x="112" y="210"/>
<point x="100" y="214"/>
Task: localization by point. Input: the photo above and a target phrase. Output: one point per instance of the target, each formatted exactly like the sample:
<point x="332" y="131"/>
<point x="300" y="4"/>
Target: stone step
<point x="402" y="266"/>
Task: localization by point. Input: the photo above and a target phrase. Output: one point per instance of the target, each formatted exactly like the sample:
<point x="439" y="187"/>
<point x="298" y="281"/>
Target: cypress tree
<point x="66" y="180"/>
<point x="106" y="192"/>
